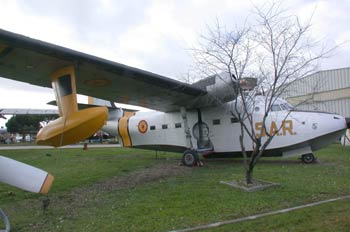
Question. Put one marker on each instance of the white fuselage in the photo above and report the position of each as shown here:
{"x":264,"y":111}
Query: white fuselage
{"x":300,"y":132}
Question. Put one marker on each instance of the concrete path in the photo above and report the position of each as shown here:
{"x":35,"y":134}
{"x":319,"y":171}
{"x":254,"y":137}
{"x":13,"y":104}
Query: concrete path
{"x":253,"y":217}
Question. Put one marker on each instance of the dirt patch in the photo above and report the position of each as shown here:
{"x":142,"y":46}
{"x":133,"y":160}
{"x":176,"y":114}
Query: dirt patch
{"x":140,"y":177}
{"x":81,"y":196}
{"x":71,"y":202}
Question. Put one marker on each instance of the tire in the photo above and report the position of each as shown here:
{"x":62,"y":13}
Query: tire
{"x":308,"y":158}
{"x":190,"y":158}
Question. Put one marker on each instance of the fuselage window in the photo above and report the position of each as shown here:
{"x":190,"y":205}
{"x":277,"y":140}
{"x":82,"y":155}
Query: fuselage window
{"x":234,"y":120}
{"x":216,"y":122}
{"x":178,"y":125}
{"x":165,"y":126}
{"x":152,"y":127}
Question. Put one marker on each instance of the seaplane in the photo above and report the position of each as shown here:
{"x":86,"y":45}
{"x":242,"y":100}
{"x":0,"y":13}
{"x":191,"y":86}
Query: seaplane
{"x":185,"y":118}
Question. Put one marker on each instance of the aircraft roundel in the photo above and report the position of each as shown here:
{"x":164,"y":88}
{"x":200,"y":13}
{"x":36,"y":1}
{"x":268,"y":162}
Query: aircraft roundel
{"x":143,"y":126}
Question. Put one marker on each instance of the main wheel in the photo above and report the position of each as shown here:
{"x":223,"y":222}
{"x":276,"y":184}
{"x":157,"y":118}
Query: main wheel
{"x":308,"y":158}
{"x":190,"y":158}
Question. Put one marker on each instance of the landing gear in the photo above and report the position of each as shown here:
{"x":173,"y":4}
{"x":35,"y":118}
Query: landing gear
{"x":190,"y":158}
{"x":308,"y":158}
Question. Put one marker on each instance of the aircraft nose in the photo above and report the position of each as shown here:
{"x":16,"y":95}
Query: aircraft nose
{"x":328,"y":123}
{"x":328,"y":128}
{"x":339,"y":121}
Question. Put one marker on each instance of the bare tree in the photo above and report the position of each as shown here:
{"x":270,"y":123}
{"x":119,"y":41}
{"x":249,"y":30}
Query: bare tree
{"x":277,"y":51}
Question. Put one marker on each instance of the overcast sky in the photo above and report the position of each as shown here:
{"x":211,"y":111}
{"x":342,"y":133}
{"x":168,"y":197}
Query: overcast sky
{"x":149,"y":34}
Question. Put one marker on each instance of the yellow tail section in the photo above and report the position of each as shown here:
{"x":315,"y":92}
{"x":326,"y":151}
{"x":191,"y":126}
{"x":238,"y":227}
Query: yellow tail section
{"x":72,"y":126}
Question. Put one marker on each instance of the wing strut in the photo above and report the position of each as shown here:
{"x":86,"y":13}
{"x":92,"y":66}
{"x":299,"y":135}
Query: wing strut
{"x":186,"y":128}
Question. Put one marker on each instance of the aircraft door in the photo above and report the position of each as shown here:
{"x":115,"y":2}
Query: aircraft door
{"x":200,"y":132}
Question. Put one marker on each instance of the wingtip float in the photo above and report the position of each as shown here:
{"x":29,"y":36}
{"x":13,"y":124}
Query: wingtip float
{"x":72,"y":126}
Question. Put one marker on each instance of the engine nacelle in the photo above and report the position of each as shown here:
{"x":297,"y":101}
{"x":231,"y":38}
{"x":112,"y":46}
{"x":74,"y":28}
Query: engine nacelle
{"x":112,"y":124}
{"x":222,"y":88}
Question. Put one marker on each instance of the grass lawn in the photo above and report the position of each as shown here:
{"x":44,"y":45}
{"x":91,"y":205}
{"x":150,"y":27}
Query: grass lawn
{"x":116,"y":189}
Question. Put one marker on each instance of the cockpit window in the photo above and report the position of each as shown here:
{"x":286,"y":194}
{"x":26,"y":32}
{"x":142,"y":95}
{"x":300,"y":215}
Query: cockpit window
{"x":281,"y":106}
{"x":275,"y":107}
{"x":259,"y":104}
{"x":286,"y":106}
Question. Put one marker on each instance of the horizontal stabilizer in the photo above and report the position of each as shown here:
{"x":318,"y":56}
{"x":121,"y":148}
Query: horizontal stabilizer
{"x":82,"y":106}
{"x":15,"y":111}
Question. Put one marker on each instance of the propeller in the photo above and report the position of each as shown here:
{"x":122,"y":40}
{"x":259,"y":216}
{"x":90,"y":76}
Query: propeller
{"x":24,"y":176}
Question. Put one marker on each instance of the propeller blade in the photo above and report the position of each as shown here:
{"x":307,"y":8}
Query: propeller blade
{"x":24,"y":176}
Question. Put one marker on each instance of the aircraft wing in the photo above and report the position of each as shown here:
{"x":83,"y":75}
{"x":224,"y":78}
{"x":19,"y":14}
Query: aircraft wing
{"x":33,"y":61}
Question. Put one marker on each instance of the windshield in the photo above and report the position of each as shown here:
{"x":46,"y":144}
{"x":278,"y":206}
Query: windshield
{"x":280,"y":105}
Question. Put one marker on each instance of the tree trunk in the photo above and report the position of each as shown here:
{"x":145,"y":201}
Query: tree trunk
{"x":249,"y":175}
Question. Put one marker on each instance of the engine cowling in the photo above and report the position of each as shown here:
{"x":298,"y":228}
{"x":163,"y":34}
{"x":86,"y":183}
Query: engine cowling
{"x":225,"y":88}
{"x":222,"y":88}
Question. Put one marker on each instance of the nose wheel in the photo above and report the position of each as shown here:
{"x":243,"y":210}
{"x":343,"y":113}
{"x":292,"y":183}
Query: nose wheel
{"x":308,"y":158}
{"x":190,"y":158}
